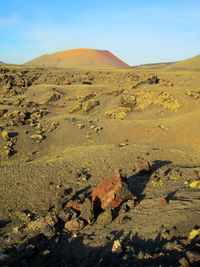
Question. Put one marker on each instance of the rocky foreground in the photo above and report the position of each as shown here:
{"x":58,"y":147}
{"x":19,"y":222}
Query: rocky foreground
{"x":80,"y":228}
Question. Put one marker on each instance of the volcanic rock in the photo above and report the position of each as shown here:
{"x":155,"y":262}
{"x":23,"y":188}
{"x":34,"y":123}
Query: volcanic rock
{"x":110,"y":193}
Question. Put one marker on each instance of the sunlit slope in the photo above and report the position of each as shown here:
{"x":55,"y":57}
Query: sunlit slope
{"x":188,"y":64}
{"x":83,"y":57}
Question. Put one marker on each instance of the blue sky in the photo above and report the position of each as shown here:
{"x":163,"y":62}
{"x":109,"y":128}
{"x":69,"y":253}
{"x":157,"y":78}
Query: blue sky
{"x":138,"y":31}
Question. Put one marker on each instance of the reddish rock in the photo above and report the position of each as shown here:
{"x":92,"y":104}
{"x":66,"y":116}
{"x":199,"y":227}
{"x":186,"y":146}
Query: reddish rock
{"x":110,"y":193}
{"x":73,"y":204}
{"x":163,"y":202}
{"x":51,"y":220}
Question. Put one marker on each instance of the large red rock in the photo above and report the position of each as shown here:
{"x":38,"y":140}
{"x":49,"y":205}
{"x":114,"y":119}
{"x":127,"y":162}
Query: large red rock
{"x":110,"y":193}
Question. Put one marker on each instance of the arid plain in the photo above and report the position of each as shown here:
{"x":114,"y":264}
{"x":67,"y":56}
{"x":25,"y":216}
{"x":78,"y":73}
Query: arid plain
{"x":65,"y":128}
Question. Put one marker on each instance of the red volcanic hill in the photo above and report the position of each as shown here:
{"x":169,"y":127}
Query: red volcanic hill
{"x":78,"y":58}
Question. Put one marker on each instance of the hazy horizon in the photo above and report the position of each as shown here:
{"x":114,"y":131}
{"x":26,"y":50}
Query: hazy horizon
{"x":138,"y":32}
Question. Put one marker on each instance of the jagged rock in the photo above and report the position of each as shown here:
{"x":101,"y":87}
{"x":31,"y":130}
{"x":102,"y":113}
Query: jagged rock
{"x":86,"y":97}
{"x":3,"y":111}
{"x":47,"y":230}
{"x":87,"y":82}
{"x":142,"y":165}
{"x":110,"y":193}
{"x":117,"y":248}
{"x":53,"y":97}
{"x":90,"y":105}
{"x":194,"y":257}
{"x":80,"y":125}
{"x":74,"y":225}
{"x":51,"y":220}
{"x":76,"y":108}
{"x":105,"y":217}
{"x":6,"y":135}
{"x":37,"y":137}
{"x":86,"y":211}
{"x":73,"y":204}
{"x":183,"y":262}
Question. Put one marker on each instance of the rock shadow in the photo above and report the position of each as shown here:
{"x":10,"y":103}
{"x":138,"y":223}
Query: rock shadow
{"x":138,"y":182}
{"x":65,"y":250}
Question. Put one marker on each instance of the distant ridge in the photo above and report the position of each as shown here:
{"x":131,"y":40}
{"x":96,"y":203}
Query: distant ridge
{"x":153,"y":65}
{"x":188,"y":64}
{"x":79,"y":58}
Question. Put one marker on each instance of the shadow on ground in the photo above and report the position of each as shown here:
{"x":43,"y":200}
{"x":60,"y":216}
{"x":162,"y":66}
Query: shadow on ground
{"x":138,"y":182}
{"x":62,"y":250}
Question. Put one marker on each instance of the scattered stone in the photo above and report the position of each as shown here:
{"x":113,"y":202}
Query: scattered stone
{"x":86,"y":97}
{"x":130,"y":204}
{"x":9,"y":147}
{"x":3,"y":257}
{"x":173,"y":245}
{"x":66,"y":215}
{"x":140,"y":100}
{"x":119,"y":113}
{"x":51,"y":220}
{"x":37,"y":137}
{"x":98,"y":129}
{"x":91,"y":104}
{"x":128,"y":101}
{"x":153,"y":79}
{"x":193,"y":257}
{"x":86,"y":211}
{"x":3,"y":111}
{"x":183,"y":262}
{"x":6,"y":135}
{"x":105,"y":217}
{"x":117,"y":248}
{"x":46,"y":252}
{"x":73,"y":204}
{"x":80,"y":125}
{"x":47,"y":230}
{"x":76,"y":108}
{"x":165,"y":234}
{"x":194,"y":233}
{"x":195,"y":184}
{"x":36,"y":225}
{"x":163,"y":127}
{"x":163,"y":202}
{"x":141,"y":166}
{"x":141,"y":255}
{"x":83,"y":174}
{"x":87,"y":82}
{"x":110,"y":193}
{"x":55,"y":96}
{"x":193,"y":93}
{"x":173,"y":174}
{"x":124,"y":144}
{"x":74,"y":225}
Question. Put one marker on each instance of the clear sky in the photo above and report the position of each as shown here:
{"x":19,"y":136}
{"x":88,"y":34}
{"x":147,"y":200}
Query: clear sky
{"x":138,"y":31}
